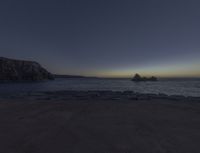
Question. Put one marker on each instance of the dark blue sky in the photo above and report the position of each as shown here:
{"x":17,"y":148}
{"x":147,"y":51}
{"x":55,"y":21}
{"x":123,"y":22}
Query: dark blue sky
{"x":104,"y":37}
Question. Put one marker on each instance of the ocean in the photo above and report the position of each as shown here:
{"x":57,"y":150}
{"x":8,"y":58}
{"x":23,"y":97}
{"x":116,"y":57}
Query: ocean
{"x":185,"y":87}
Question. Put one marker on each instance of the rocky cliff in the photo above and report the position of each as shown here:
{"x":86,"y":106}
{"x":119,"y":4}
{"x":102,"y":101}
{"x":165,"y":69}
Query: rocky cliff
{"x":15,"y":70}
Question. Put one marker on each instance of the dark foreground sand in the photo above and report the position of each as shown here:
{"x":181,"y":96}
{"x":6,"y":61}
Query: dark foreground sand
{"x":56,"y":123}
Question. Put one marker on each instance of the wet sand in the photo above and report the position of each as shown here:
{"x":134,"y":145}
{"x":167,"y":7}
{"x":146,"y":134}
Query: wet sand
{"x":80,"y":122}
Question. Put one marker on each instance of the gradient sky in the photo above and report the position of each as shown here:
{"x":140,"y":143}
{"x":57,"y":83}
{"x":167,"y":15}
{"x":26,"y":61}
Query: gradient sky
{"x":104,"y":37}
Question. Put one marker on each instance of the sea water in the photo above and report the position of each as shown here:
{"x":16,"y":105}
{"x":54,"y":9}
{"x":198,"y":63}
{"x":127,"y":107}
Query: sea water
{"x":185,"y":87}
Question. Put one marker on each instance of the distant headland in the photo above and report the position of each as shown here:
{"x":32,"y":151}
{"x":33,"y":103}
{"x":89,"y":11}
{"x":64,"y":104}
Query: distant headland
{"x":72,"y":76}
{"x":20,"y":70}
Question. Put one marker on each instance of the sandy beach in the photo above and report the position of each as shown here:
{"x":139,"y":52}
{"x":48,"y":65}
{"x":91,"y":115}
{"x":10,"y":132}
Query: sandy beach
{"x":99,"y":122}
{"x":100,"y":76}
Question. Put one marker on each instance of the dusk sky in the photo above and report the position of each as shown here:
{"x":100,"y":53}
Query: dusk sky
{"x":112,"y":38}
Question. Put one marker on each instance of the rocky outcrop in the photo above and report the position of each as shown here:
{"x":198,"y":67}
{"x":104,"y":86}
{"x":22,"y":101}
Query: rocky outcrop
{"x":138,"y":78}
{"x":18,"y":70}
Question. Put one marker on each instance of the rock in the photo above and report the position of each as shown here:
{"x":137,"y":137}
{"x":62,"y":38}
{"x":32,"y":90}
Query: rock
{"x":18,"y":70}
{"x":138,"y":78}
{"x":152,"y":79}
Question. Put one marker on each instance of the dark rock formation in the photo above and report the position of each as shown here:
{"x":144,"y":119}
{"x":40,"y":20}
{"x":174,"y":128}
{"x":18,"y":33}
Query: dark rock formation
{"x":18,"y":70}
{"x":138,"y":78}
{"x":73,"y":76}
{"x":153,"y":79}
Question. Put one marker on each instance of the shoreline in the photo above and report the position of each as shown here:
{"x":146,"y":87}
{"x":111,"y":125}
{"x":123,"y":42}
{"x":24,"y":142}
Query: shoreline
{"x":97,"y":95}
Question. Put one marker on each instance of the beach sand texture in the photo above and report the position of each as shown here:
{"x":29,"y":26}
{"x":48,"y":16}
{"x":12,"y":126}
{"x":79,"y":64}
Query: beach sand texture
{"x":99,"y":126}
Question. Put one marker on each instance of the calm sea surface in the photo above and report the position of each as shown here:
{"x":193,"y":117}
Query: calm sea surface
{"x":186,"y":87}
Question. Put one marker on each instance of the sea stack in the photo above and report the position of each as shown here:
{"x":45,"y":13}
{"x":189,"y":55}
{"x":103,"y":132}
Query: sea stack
{"x":20,"y":70}
{"x":138,"y":78}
